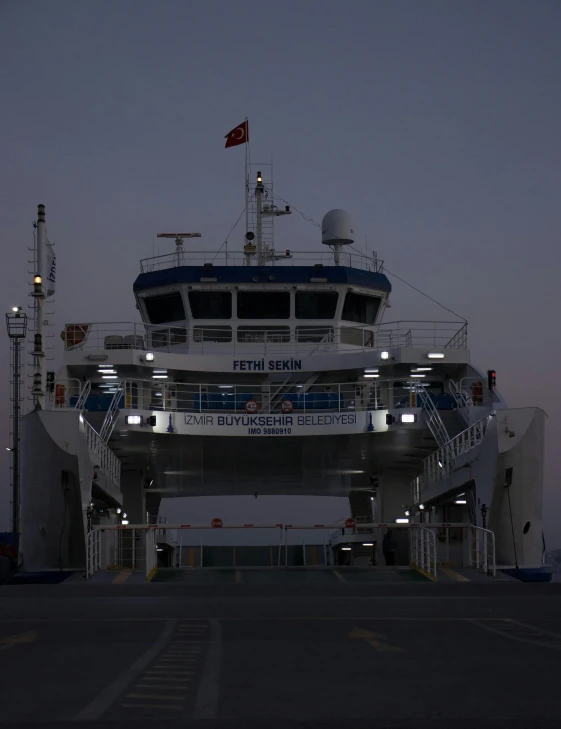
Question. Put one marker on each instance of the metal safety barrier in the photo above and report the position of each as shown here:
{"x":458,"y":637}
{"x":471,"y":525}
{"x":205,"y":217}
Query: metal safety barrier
{"x":423,"y":551}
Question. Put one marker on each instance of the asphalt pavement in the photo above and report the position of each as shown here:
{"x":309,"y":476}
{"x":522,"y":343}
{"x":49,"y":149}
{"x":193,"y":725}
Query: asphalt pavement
{"x":285,"y":653}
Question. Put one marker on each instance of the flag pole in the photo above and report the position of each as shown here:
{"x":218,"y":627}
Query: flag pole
{"x":246,"y":177}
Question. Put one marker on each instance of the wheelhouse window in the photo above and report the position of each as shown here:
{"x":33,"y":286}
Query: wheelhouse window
{"x":360,"y":308}
{"x":263,"y":305}
{"x":316,"y":304}
{"x":211,"y":304}
{"x":164,"y":308}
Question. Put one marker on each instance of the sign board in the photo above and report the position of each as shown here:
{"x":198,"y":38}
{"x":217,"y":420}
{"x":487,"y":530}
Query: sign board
{"x":296,"y":423}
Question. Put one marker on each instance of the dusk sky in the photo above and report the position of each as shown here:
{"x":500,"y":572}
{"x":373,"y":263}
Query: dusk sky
{"x":436,"y":123}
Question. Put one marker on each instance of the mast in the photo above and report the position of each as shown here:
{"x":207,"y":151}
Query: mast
{"x":39,"y":296}
{"x":259,"y":189}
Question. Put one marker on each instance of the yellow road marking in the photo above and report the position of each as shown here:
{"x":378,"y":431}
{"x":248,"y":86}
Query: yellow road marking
{"x":123,"y":576}
{"x":375,"y":640}
{"x":449,"y":572}
{"x":339,"y":576}
{"x":238,"y":576}
{"x":13,"y":640}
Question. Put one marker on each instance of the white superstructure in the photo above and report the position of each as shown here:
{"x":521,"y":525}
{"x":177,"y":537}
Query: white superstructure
{"x":273,"y":372}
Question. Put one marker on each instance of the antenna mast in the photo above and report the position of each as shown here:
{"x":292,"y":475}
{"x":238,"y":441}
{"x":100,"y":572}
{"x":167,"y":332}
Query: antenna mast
{"x":179,"y":250}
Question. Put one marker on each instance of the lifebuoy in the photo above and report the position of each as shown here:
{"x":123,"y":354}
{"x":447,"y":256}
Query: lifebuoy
{"x":74,"y":335}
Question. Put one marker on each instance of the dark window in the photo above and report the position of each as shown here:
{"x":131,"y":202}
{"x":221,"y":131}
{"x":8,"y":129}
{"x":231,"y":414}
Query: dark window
{"x":361,"y":308}
{"x":211,"y":304}
{"x":164,"y":308}
{"x":316,"y":304}
{"x":263,"y":305}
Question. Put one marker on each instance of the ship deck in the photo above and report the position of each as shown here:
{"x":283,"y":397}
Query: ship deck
{"x":322,"y":654}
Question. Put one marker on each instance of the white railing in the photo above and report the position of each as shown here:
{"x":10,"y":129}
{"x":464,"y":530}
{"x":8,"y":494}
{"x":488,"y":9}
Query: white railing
{"x":83,"y":396}
{"x":223,"y":257}
{"x":300,"y":396}
{"x":462,"y":401}
{"x":112,"y":413}
{"x":103,"y":456}
{"x":294,"y":338}
{"x":64,"y":393}
{"x":482,"y":550}
{"x":459,"y":340}
{"x":432,"y":416}
{"x":93,"y":557}
{"x":423,"y":551}
{"x":441,"y":463}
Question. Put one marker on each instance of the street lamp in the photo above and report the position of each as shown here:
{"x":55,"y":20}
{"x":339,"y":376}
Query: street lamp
{"x":16,"y":323}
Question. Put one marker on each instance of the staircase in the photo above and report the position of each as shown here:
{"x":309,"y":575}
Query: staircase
{"x":361,"y":506}
{"x":112,"y":414}
{"x":432,"y":415}
{"x":453,"y":422}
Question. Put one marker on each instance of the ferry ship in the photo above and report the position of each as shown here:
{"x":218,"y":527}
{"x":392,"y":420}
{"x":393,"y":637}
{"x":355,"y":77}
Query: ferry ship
{"x":266,"y":371}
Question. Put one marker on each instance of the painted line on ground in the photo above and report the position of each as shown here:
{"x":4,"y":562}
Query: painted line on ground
{"x":111,"y":693}
{"x":521,"y":632}
{"x":122,"y":577}
{"x":339,"y":576}
{"x":449,"y":572}
{"x":206,"y":703}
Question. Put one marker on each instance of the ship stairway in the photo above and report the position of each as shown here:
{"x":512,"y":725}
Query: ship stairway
{"x":81,"y":401}
{"x":432,"y":416}
{"x":112,"y":414}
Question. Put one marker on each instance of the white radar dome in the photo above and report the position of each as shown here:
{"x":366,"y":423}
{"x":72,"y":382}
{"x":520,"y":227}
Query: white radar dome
{"x":337,"y":228}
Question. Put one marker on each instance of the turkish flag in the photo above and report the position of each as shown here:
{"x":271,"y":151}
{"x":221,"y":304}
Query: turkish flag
{"x":239,"y":135}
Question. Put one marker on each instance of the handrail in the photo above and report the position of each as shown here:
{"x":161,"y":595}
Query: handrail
{"x":112,"y":413}
{"x":103,"y":456}
{"x":434,"y":421}
{"x":297,"y":336}
{"x":222,"y":257}
{"x":423,"y":551}
{"x":460,"y":399}
{"x":482,"y":550}
{"x":440,"y":464}
{"x":81,"y":401}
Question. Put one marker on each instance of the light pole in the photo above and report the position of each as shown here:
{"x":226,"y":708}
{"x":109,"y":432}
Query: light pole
{"x":16,"y":322}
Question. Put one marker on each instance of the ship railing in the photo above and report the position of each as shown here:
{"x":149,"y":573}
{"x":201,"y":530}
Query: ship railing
{"x":222,"y":257}
{"x":164,"y":394}
{"x":290,"y":339}
{"x":103,"y":456}
{"x":442,"y":462}
{"x":63,"y":393}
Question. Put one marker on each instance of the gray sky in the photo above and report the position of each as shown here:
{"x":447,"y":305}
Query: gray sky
{"x":435,"y":123}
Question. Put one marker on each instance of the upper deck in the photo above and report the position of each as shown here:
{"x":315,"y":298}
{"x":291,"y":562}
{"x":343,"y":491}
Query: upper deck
{"x":278,"y":259}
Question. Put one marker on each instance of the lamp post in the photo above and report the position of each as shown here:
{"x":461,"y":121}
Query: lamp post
{"x":16,"y":322}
